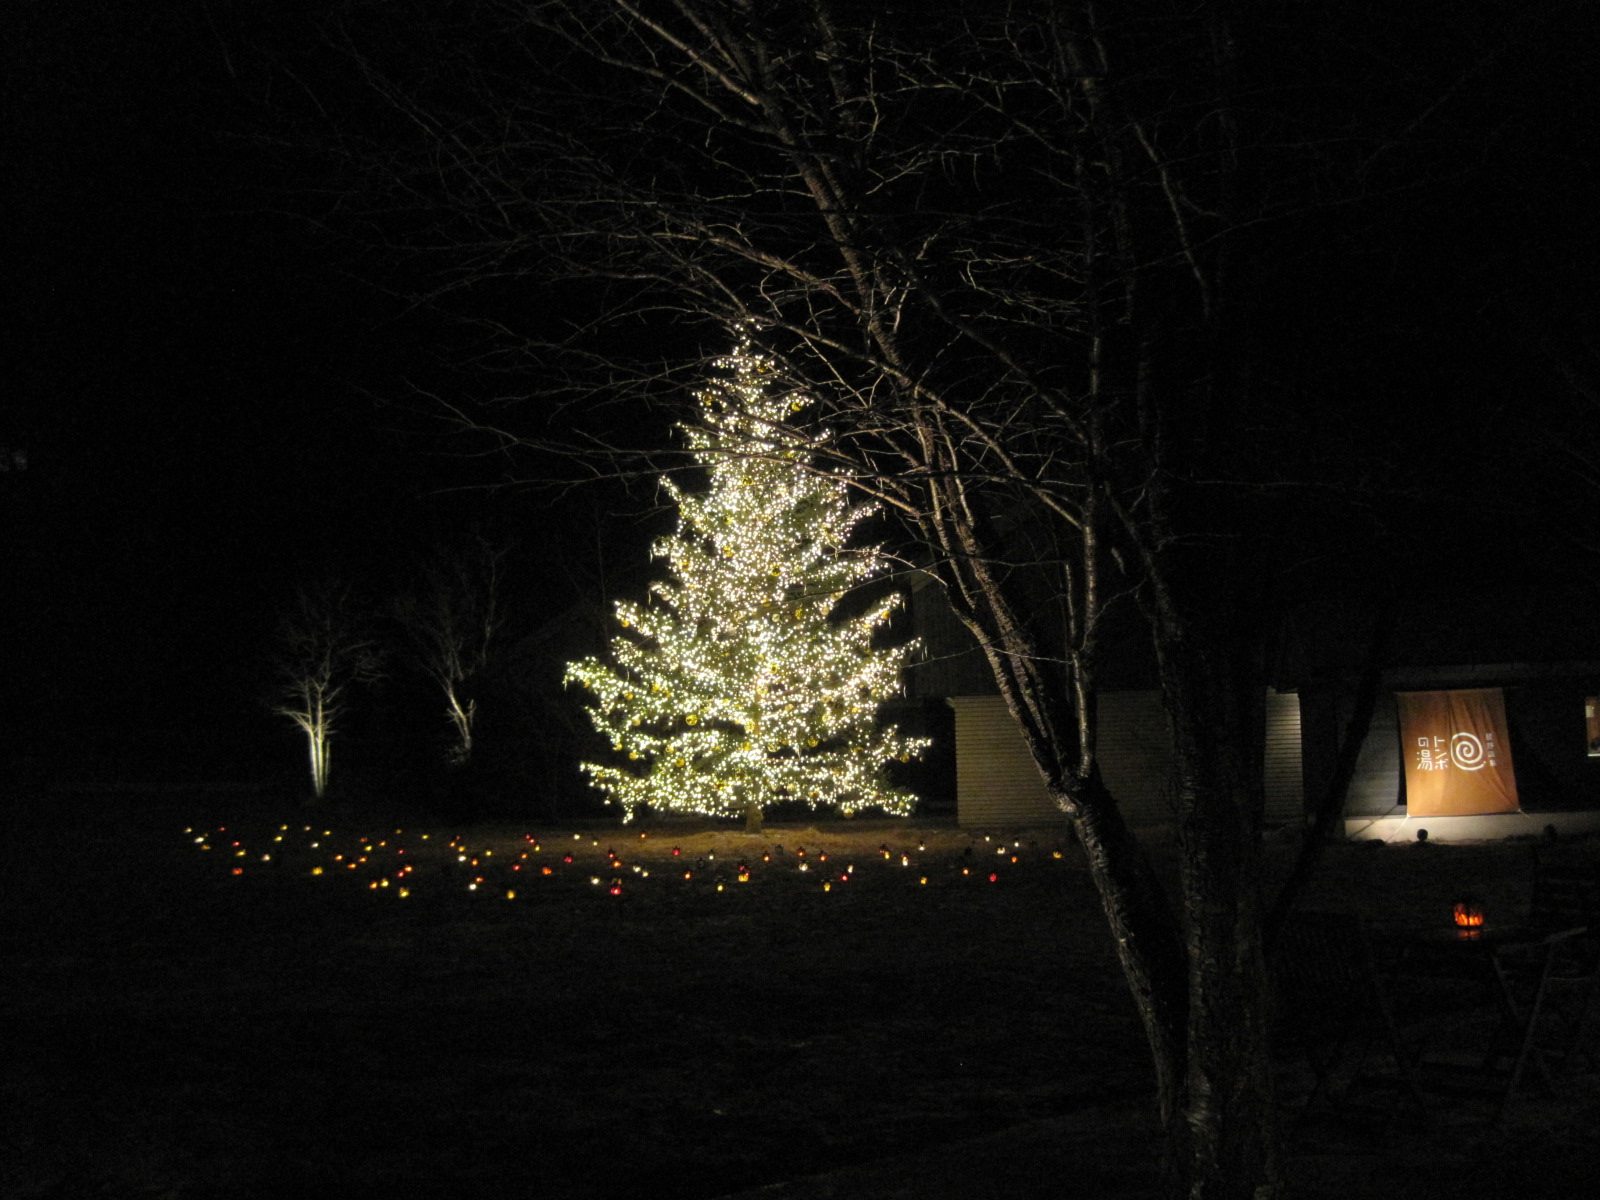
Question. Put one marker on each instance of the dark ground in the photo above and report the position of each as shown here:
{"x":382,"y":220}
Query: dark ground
{"x":180,"y":1031}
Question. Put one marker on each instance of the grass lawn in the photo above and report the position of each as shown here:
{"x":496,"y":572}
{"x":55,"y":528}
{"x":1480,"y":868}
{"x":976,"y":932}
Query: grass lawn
{"x":190,"y":1018}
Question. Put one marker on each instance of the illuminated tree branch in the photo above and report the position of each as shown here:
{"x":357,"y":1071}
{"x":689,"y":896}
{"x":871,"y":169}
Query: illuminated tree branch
{"x":451,"y":619}
{"x":323,"y":648}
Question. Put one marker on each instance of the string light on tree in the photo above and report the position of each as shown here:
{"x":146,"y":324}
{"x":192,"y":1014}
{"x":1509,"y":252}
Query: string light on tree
{"x":740,"y":684}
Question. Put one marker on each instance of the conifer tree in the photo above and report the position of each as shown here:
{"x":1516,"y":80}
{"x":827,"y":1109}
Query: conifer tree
{"x":740,"y":684}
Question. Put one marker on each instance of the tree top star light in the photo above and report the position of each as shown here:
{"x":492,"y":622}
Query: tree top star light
{"x":740,"y":684}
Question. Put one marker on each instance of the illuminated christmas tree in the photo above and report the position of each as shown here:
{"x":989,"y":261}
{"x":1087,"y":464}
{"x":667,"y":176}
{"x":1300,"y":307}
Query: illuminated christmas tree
{"x":739,"y":684}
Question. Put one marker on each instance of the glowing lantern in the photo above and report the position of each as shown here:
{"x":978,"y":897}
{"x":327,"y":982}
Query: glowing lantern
{"x":1468,"y":913}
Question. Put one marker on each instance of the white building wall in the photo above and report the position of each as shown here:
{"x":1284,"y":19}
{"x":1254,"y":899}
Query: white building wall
{"x":998,"y":785}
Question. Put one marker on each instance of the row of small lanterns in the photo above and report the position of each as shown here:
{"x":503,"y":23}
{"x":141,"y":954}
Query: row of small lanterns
{"x":458,"y":856}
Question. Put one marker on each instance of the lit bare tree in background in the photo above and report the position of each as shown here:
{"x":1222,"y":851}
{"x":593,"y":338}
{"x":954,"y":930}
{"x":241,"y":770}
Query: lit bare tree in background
{"x":451,"y":618}
{"x":323,"y":648}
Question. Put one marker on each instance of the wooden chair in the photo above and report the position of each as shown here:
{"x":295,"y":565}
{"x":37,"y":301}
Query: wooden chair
{"x":1565,"y":892}
{"x":1333,"y":1012}
{"x":1549,"y":981}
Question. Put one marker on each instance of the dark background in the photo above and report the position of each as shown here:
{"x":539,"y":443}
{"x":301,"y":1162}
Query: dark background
{"x":216,"y":399}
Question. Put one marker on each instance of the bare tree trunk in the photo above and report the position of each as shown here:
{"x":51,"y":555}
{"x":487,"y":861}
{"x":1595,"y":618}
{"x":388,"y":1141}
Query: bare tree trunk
{"x":1223,"y":1139}
{"x":320,"y":747}
{"x":1143,"y":930}
{"x":1330,"y":804}
{"x":461,"y":717}
{"x":1224,"y":1135}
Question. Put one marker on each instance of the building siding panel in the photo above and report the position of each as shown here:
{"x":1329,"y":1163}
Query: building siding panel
{"x":1375,"y":786}
{"x":1283,"y":778}
{"x":997,"y":783}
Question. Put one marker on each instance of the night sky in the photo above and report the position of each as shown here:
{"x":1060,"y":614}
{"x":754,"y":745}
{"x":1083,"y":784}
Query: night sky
{"x":210,"y":405}
{"x":213,"y":402}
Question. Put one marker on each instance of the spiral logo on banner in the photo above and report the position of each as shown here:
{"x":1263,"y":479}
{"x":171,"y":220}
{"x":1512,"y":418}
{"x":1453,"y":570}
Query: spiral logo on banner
{"x":1467,"y":751}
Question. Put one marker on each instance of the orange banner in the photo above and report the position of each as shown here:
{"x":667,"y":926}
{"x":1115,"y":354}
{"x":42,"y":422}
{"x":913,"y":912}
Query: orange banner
{"x":1457,"y":753}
